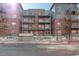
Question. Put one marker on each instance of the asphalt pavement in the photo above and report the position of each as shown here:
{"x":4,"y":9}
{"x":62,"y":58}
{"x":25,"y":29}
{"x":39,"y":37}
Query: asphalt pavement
{"x":37,"y":50}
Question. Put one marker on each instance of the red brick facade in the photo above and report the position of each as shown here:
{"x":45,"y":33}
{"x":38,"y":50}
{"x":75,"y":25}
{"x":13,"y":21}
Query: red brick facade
{"x":57,"y":27}
{"x":41,"y":24}
{"x":11,"y":20}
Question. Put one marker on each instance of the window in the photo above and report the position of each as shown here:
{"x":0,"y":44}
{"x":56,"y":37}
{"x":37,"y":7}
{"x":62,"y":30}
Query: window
{"x":11,"y":16}
{"x":47,"y":32}
{"x":26,"y":20}
{"x":58,"y":10}
{"x":25,"y":26}
{"x":40,"y":13}
{"x":36,"y":32}
{"x":41,"y":26}
{"x":59,"y":31}
{"x":78,"y":17}
{"x":47,"y":20}
{"x":73,"y":37}
{"x":78,"y":5}
{"x":73,"y":12}
{"x":73,"y":17}
{"x":74,"y":25}
{"x":14,"y":16}
{"x":30,"y":20}
{"x":31,"y":13}
{"x":73,"y":31}
{"x":31,"y":32}
{"x":47,"y":26}
{"x":57,"y":16}
{"x":40,"y":20}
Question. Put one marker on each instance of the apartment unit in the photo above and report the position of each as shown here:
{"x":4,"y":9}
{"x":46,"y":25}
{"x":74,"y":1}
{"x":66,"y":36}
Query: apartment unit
{"x":59,"y":16}
{"x":73,"y":20}
{"x":36,"y":22}
{"x":10,"y":18}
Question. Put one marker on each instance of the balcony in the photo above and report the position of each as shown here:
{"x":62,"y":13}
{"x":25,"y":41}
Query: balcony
{"x":2,"y":26}
{"x":74,"y":17}
{"x":42,"y":16}
{"x":28,"y":21}
{"x":47,"y":27}
{"x":41,"y":21}
{"x":35,"y":29}
{"x":25,"y":26}
{"x":26,"y":14}
{"x":41,"y":28}
{"x":75,"y":25}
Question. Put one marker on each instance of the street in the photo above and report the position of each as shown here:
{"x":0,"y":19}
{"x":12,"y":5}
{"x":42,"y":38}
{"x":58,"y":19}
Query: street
{"x":34,"y":50}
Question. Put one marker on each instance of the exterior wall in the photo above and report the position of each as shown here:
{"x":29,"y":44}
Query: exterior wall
{"x":57,"y":28}
{"x":58,"y":16}
{"x":61,"y":8}
{"x":12,"y":18}
{"x":36,"y":11}
{"x":41,"y":22}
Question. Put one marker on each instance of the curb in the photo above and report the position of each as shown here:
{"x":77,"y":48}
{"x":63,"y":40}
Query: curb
{"x":53,"y":43}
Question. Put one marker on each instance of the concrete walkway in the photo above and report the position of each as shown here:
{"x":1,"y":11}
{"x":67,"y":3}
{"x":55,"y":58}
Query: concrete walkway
{"x":42,"y":42}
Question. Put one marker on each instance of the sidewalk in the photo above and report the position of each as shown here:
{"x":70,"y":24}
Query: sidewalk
{"x":15,"y":40}
{"x":42,"y":42}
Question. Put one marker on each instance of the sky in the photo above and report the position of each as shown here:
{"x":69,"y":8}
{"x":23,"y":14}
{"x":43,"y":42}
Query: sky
{"x":45,"y":6}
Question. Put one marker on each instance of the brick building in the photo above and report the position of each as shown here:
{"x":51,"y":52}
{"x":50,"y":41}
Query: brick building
{"x":58,"y":20}
{"x":36,"y":21}
{"x":10,"y":18}
{"x":72,"y":22}
{"x":65,"y":20}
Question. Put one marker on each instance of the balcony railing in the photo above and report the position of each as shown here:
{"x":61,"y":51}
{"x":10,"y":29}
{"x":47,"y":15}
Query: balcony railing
{"x":28,"y":21}
{"x":75,"y":25}
{"x":74,"y":17}
{"x":44,"y":21}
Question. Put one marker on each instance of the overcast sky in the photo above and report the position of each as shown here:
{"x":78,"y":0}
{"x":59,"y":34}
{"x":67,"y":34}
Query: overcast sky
{"x":46,"y":6}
